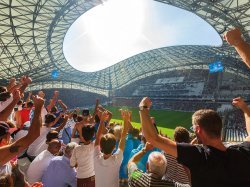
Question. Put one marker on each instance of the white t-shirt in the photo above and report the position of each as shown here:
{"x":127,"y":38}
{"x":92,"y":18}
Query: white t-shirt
{"x":39,"y":144}
{"x":38,"y":166}
{"x":83,"y":155}
{"x":107,"y":171}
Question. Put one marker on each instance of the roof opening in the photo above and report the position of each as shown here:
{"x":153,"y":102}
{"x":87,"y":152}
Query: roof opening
{"x":119,"y":29}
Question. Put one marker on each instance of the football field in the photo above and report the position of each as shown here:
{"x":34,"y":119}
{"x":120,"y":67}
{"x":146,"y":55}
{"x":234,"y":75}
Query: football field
{"x":166,"y":120}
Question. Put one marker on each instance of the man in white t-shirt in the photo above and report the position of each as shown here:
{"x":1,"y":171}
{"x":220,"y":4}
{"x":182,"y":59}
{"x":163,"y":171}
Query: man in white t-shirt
{"x":41,"y":162}
{"x":106,"y":164}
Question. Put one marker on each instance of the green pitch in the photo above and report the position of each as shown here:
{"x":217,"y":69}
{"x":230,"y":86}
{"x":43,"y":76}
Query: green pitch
{"x":166,"y":120}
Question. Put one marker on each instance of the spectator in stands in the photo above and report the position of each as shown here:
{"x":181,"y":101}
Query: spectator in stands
{"x":39,"y":165}
{"x":156,"y":168}
{"x":211,"y":164}
{"x":233,"y":37}
{"x":82,"y":158}
{"x":175,"y":171}
{"x":106,"y":164}
{"x":25,"y":113}
{"x":39,"y":144}
{"x":59,"y":172}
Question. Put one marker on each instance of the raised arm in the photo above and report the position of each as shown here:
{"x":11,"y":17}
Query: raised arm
{"x":10,"y":151}
{"x":56,"y":120}
{"x":53,"y":101}
{"x":62,"y":104}
{"x":239,"y":102}
{"x":233,"y":37}
{"x":66,"y":117}
{"x":25,"y":81}
{"x":126,"y":117}
{"x":137,"y":157}
{"x":101,"y":128}
{"x":150,"y":132}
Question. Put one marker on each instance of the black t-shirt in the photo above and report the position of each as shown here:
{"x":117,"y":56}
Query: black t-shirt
{"x":212,"y":167}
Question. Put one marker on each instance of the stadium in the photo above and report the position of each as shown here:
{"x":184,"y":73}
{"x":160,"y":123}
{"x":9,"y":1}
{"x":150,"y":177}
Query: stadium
{"x":177,"y":78}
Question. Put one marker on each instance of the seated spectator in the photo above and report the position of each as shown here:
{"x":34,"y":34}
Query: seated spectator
{"x":156,"y":168}
{"x":41,"y":162}
{"x":212,"y":164}
{"x":59,"y":172}
{"x":175,"y":171}
{"x":106,"y":164}
{"x":83,"y":158}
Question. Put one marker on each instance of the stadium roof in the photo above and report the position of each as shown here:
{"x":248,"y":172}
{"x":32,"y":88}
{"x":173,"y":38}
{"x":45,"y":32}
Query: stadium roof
{"x":32,"y":33}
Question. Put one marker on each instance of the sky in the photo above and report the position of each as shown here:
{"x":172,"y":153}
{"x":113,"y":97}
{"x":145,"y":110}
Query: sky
{"x":119,"y":29}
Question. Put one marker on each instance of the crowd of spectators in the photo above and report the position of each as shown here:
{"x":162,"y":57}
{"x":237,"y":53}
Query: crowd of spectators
{"x":48,"y":145}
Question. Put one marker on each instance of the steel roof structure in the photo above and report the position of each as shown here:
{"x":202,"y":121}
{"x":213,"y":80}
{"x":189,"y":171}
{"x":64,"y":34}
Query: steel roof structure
{"x":32,"y":33}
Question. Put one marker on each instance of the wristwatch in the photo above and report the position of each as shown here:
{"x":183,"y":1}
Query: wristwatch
{"x":142,"y":108}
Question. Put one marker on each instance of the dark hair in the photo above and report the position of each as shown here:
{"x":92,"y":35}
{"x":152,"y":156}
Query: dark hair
{"x":20,"y":102}
{"x":30,"y":104}
{"x":88,"y":132}
{"x":74,"y":117}
{"x":107,"y":143}
{"x":6,"y":180}
{"x":51,"y":135}
{"x":208,"y":120}
{"x":4,"y":96}
{"x":49,"y":118}
{"x":97,"y":119}
{"x":135,"y":132}
{"x":3,"y":89}
{"x":79,"y":118}
{"x":181,"y":135}
{"x":85,"y":112}
{"x":53,"y":109}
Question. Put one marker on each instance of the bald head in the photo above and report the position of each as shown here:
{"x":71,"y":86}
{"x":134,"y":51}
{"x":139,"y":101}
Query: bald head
{"x":54,"y":146}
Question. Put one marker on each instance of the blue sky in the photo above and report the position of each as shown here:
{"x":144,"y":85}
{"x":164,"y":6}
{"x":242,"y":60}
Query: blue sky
{"x":119,"y":29}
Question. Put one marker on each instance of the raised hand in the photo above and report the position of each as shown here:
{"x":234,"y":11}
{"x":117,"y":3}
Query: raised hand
{"x":38,"y":101}
{"x":148,"y":146}
{"x":233,"y":37}
{"x":16,"y":94}
{"x":239,"y":102}
{"x":146,"y":102}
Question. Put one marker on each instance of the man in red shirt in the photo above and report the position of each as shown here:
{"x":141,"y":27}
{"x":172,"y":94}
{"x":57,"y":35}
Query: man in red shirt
{"x":25,"y":113}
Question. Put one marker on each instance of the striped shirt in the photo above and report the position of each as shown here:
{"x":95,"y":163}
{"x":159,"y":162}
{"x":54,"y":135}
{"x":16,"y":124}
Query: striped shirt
{"x":175,"y":171}
{"x":138,"y":178}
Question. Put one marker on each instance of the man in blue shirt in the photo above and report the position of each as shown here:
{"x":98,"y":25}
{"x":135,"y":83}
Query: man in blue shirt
{"x":59,"y":173}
